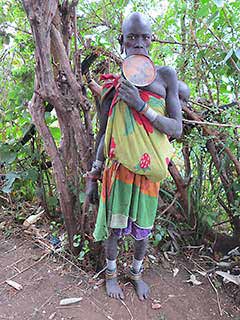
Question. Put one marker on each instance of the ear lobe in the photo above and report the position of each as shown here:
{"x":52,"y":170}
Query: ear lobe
{"x":120,"y":40}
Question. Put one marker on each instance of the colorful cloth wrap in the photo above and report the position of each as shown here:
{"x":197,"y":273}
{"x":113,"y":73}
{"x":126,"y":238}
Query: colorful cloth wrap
{"x":137,"y":158}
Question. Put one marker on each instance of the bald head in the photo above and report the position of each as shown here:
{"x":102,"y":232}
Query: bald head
{"x":137,"y":20}
{"x":136,"y":37}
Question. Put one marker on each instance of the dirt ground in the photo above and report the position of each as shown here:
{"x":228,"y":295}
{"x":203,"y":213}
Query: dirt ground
{"x":47,"y":279}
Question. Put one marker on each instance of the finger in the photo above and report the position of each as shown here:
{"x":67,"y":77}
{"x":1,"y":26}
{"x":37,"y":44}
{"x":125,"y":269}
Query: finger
{"x":123,"y":97}
{"x":125,"y":91}
{"x":122,"y":94}
{"x":124,"y":86}
{"x":127,"y":83}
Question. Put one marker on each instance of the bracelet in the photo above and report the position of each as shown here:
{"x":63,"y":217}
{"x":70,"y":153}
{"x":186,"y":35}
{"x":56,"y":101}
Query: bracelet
{"x":145,"y":109}
{"x":97,"y":165}
{"x":151,"y":114}
{"x":142,"y":108}
{"x":91,"y":176}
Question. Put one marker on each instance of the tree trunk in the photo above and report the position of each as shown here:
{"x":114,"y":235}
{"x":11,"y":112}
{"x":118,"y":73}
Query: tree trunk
{"x":61,"y":89}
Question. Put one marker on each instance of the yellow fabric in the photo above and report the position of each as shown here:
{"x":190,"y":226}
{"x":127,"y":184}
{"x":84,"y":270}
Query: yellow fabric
{"x":132,"y":140}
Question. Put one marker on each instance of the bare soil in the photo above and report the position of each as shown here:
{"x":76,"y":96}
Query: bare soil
{"x":46,"y":279}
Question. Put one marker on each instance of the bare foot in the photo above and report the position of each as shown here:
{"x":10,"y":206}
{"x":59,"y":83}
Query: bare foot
{"x":113,"y":289}
{"x":142,"y":289}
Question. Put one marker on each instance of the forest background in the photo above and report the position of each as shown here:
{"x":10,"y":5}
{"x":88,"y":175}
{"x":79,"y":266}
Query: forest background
{"x":48,"y":51}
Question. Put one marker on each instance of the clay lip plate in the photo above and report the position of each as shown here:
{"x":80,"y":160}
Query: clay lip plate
{"x":139,"y":70}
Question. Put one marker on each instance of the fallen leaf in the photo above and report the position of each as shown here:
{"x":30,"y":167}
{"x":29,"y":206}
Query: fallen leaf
{"x":14,"y":284}
{"x":223,"y":264}
{"x":52,"y":315}
{"x":32,"y":219}
{"x":150,"y":256}
{"x":66,"y":302}
{"x":2,"y":225}
{"x":166,"y":256}
{"x":194,"y":280}
{"x":156,"y":306}
{"x":175,"y":272}
{"x":229,"y":277}
{"x":235,"y":251}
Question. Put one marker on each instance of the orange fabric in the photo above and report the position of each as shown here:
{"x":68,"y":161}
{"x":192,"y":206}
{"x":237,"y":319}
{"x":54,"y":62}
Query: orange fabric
{"x":119,"y":172}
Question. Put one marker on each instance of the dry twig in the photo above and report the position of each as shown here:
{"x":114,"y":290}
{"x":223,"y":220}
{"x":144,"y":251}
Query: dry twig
{"x":29,"y":267}
{"x":131,"y":316}
{"x":218,"y":299}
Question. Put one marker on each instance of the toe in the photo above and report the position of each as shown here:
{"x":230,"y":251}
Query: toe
{"x":121,"y":295}
{"x":141,"y":297}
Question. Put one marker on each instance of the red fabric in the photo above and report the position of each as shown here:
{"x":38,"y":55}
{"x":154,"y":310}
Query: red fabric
{"x":111,"y":80}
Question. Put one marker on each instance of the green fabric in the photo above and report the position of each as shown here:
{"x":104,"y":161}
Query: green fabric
{"x":121,"y":200}
{"x":132,"y":140}
{"x":137,"y":159}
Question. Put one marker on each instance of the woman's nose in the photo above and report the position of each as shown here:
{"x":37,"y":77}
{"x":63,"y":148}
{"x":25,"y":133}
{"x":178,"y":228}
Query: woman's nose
{"x":139,"y":43}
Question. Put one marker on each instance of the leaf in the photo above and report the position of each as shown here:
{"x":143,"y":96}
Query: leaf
{"x":52,"y":201}
{"x":67,"y":301}
{"x":52,"y":316}
{"x":175,"y":272}
{"x":212,"y":17}
{"x":32,"y":219}
{"x":31,"y":174}
{"x":228,"y":56}
{"x":194,"y":280}
{"x":219,"y":3}
{"x":203,"y":12}
{"x":156,"y":306}
{"x":7,"y":155}
{"x":153,"y":258}
{"x":9,"y":180}
{"x":227,"y":277}
{"x":237,"y":53}
{"x":56,"y":133}
{"x":14,"y":284}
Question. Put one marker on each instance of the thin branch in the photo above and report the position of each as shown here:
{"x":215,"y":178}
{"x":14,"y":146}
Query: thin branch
{"x":190,"y":44}
{"x":194,"y":116}
{"x":171,"y":204}
{"x":212,"y":123}
{"x":129,"y":311}
{"x":27,"y":268}
{"x":218,"y":300}
{"x":235,"y":66}
{"x":18,"y":29}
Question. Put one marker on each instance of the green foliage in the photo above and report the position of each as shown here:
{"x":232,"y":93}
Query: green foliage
{"x":54,"y":228}
{"x":77,"y":242}
{"x":200,"y":39}
{"x":159,"y":234}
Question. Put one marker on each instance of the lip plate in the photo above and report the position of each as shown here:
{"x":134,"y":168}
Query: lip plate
{"x":139,"y":70}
